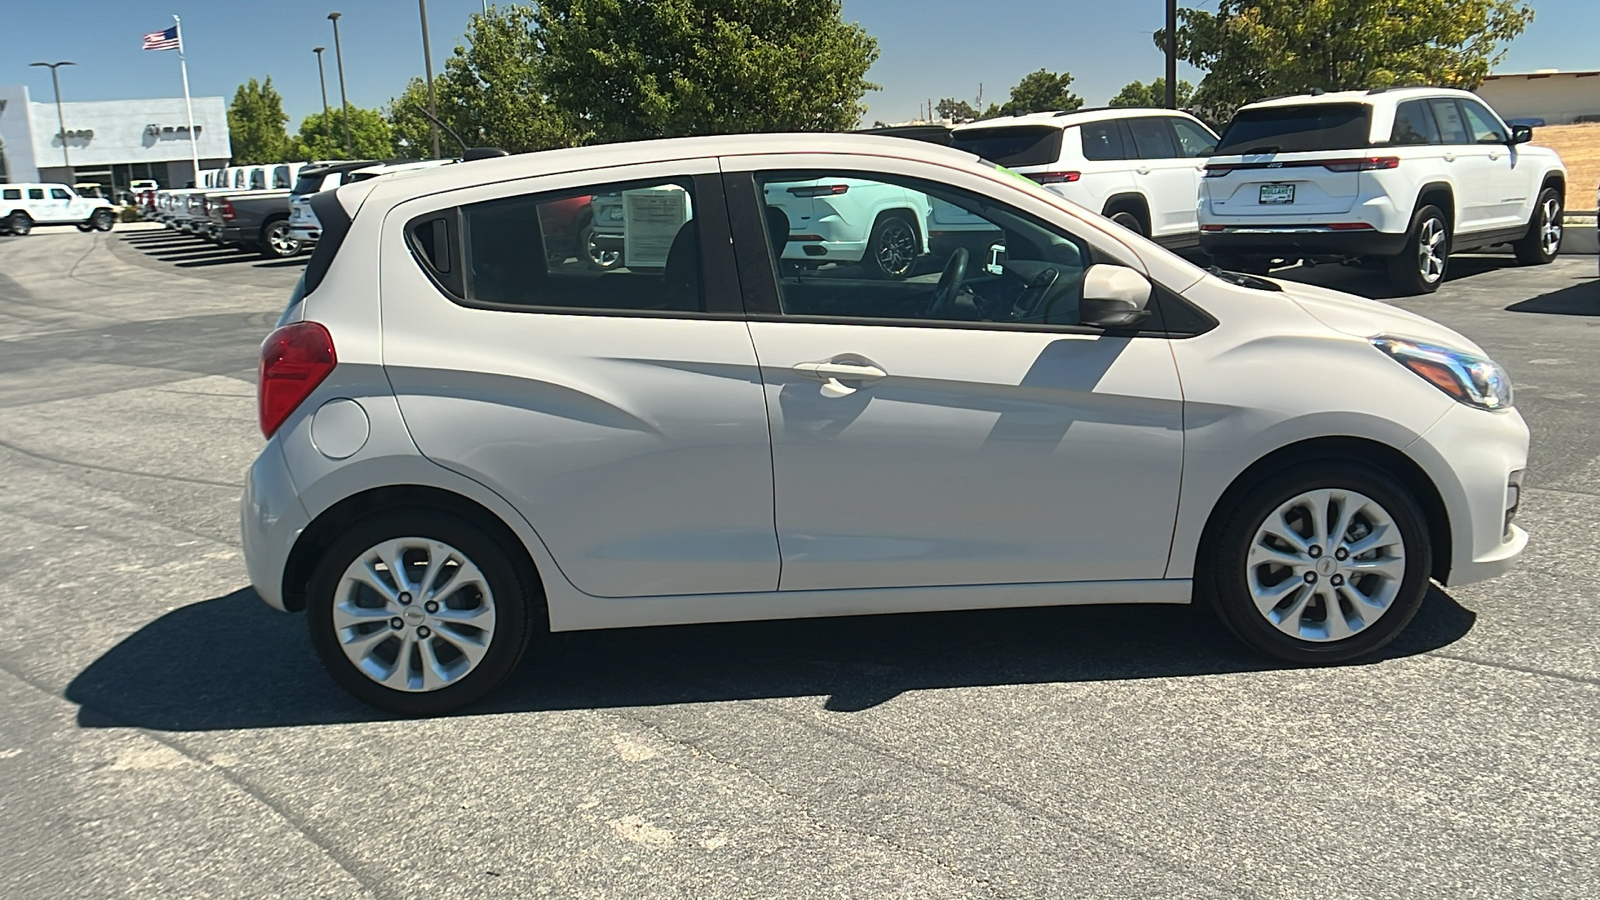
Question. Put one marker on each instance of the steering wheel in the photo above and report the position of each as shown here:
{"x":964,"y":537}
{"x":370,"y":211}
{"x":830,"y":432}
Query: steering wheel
{"x":949,"y":286}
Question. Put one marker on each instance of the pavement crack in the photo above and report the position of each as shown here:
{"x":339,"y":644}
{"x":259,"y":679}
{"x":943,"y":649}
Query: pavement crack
{"x":1511,"y":667}
{"x":78,"y":464}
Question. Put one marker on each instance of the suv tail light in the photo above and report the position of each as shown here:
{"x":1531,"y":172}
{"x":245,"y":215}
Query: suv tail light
{"x":1368,"y":164}
{"x":1055,"y":177}
{"x":294,"y":360}
{"x":819,"y":190}
{"x":227,"y":211}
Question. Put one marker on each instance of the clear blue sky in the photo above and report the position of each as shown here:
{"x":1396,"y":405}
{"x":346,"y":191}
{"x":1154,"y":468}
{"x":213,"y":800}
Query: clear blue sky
{"x":929,"y":48}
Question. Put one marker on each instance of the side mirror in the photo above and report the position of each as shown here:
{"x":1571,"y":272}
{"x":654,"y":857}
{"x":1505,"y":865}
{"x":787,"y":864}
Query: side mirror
{"x":1521,"y":134}
{"x":1114,"y":297}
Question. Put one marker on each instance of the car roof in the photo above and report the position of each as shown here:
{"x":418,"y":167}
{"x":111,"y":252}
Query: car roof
{"x":323,"y":168}
{"x":1374,"y":97}
{"x":1069,"y":118}
{"x":419,"y":182}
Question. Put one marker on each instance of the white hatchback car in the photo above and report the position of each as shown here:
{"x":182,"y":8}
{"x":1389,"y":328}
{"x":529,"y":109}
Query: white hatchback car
{"x":469,"y":445}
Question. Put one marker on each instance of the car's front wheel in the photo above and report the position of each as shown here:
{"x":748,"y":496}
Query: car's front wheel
{"x":1321,"y":563}
{"x":1543,"y":240}
{"x":1421,"y":266}
{"x":420,"y":612}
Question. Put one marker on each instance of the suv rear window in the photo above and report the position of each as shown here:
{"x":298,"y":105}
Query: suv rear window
{"x":1294,"y":129}
{"x":309,"y":182}
{"x":1012,"y":146}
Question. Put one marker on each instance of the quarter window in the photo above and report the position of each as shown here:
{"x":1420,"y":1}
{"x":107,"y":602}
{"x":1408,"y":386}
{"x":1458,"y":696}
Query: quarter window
{"x":1102,"y":140}
{"x":619,"y":248}
{"x":1452,"y":128}
{"x":1413,"y":125}
{"x":1151,"y":138}
{"x":1195,"y":141}
{"x":882,"y":249}
{"x":1485,"y":130}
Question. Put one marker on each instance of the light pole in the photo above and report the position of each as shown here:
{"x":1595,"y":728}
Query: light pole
{"x":1172,"y":54}
{"x":427,"y":66}
{"x":322,"y":76}
{"x":344,"y":101}
{"x":61,"y":119}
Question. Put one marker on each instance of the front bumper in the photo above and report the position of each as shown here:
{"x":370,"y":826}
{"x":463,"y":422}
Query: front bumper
{"x":1474,"y":458}
{"x":271,"y":518}
{"x":1287,"y":241}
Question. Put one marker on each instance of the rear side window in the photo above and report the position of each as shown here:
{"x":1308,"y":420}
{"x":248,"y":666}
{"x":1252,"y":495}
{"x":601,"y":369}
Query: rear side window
{"x":1102,"y":140}
{"x":539,"y":251}
{"x":1012,"y":146}
{"x":1296,"y":129}
{"x":1151,"y":139}
{"x":35,"y":193}
{"x":11,"y":194}
{"x":1413,"y":124}
{"x":1452,"y":128}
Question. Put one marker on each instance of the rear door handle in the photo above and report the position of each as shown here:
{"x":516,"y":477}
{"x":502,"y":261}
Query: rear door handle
{"x":1143,"y":170}
{"x":833,"y":376}
{"x":1449,"y":157}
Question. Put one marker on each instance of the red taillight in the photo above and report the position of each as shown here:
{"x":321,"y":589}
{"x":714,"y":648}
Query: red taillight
{"x":294,"y":360}
{"x":1367,"y":164}
{"x":1055,"y":177}
{"x":1210,"y":227}
{"x":1350,"y":226}
{"x":227,"y":211}
{"x":819,"y":190}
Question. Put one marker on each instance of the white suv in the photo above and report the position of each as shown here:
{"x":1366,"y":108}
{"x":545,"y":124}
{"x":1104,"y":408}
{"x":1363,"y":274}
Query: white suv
{"x":1138,"y":167}
{"x":473,"y":440}
{"x":1408,"y":175}
{"x":23,"y":206}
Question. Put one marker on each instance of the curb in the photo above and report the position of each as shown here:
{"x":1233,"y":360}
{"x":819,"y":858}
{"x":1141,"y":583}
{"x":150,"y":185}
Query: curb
{"x":1581,"y":238}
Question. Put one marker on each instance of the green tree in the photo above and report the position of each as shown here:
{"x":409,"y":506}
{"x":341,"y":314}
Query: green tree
{"x":955,"y":110}
{"x":256,"y":123}
{"x":323,"y":138}
{"x":1257,"y":48}
{"x":1039,"y":91}
{"x":629,"y":70}
{"x":1137,"y":93}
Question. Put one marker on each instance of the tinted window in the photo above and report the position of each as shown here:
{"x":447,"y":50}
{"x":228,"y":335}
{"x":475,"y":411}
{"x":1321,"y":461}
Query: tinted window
{"x":280,"y":177}
{"x":1294,"y":129}
{"x":1012,"y":146}
{"x":35,"y":193}
{"x":1102,"y":140}
{"x":1413,"y":124}
{"x":258,"y":179}
{"x":1452,"y":128}
{"x":525,"y":251}
{"x":1151,"y":139}
{"x":1195,"y":141}
{"x":309,"y":182}
{"x":831,"y":264}
{"x":238,"y":179}
{"x":1482,"y":124}
{"x":11,"y":194}
{"x":59,"y":194}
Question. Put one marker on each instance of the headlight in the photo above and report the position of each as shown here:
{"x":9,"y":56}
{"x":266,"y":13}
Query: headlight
{"x":1472,"y":379}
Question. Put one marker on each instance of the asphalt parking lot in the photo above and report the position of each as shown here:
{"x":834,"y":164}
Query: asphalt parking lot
{"x":166,"y":734}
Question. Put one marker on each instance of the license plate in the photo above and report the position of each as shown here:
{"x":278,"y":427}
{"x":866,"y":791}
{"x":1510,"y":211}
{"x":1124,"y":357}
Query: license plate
{"x":1277,"y":193}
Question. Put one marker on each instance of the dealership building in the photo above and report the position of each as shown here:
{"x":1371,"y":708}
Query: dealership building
{"x":112,"y":142}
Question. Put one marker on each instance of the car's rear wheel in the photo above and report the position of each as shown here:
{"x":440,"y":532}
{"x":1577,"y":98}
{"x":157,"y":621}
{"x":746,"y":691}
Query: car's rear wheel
{"x":1321,"y":563}
{"x":1420,"y":268}
{"x":102,"y":220}
{"x":420,"y":611}
{"x":85,"y":226}
{"x":892,"y":248}
{"x":19,"y":224}
{"x":1543,"y":240}
{"x":593,"y":255}
{"x":276,"y":242}
{"x":1129,"y":221}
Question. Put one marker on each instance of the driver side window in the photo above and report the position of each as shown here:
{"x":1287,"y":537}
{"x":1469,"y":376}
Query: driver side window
{"x":888,"y":250}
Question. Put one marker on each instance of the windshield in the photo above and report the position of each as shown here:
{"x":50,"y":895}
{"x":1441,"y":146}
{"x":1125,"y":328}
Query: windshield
{"x":1014,"y":145}
{"x":1294,"y":129}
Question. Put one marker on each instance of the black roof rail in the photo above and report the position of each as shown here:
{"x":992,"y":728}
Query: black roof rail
{"x":1316,"y":92}
{"x":472,"y":153}
{"x":1091,"y":109}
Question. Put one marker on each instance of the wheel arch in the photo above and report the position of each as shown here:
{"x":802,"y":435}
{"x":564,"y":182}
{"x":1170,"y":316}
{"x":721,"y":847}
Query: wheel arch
{"x":1557,"y":179}
{"x":1380,"y":456}
{"x":323,"y":530}
{"x":1440,"y":194}
{"x":1129,"y":202}
{"x":904,"y":212}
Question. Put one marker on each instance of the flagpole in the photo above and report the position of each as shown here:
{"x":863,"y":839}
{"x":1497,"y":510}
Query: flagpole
{"x":183,"y":66}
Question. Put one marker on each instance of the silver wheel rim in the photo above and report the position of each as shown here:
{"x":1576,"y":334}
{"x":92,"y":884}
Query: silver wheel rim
{"x":605,"y":259}
{"x":278,"y":237}
{"x":1431,"y":250}
{"x":896,"y":247}
{"x":1326,"y":565}
{"x":1550,"y":226}
{"x":414,"y":614}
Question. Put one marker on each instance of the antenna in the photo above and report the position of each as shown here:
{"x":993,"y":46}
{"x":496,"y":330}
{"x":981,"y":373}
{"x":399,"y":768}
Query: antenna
{"x":446,"y":128}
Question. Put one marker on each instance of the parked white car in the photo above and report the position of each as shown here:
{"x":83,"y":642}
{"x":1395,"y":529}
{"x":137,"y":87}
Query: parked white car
{"x":1407,"y":176}
{"x":470,"y":444}
{"x":1138,"y":167}
{"x":24,"y":205}
{"x":882,"y":227}
{"x":303,"y":224}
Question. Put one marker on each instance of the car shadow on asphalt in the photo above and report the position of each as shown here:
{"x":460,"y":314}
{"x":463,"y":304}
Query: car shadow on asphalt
{"x":1373,"y":282}
{"x":1581,"y":299}
{"x":233,"y":663}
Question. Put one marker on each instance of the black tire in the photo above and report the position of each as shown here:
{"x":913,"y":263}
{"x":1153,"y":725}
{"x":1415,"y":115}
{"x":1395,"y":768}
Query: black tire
{"x":102,"y":220}
{"x":275,"y":240}
{"x":1414,"y":270}
{"x":1224,"y":572}
{"x":1534,"y":249}
{"x":594,"y":257}
{"x":1130,"y":221}
{"x":85,"y":226}
{"x":517,"y":601}
{"x":19,"y":224}
{"x":893,"y":247}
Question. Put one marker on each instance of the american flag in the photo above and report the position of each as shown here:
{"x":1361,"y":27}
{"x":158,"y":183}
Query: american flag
{"x":162,"y":40}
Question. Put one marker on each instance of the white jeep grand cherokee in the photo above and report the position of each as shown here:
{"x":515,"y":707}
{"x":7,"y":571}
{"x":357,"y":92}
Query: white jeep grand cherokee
{"x":1409,"y":175}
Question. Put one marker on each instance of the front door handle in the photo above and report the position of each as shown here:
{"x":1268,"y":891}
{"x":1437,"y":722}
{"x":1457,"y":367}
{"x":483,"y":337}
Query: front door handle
{"x":1143,"y":170}
{"x":1494,"y":155}
{"x":1449,"y":157}
{"x":833,"y":376}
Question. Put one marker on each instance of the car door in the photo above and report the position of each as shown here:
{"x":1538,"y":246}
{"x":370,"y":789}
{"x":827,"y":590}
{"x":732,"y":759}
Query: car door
{"x":58,"y":207}
{"x":963,"y":438}
{"x":1513,"y":186}
{"x":1468,"y":164}
{"x":621,"y":410}
{"x":1169,"y":181}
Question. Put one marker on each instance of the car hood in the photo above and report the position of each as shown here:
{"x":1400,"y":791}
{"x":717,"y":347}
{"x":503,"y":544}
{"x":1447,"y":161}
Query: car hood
{"x":1360,"y":317}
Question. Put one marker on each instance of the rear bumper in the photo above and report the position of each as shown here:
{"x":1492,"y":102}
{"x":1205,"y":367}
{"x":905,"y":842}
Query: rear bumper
{"x":271,"y":518}
{"x":1300,"y":240}
{"x":235,"y":233}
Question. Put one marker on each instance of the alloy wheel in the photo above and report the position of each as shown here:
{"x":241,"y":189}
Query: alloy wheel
{"x":1550,"y":226}
{"x":897,"y":247}
{"x":1432,"y":248}
{"x":1326,"y":565}
{"x":278,"y":238}
{"x":414,"y":614}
